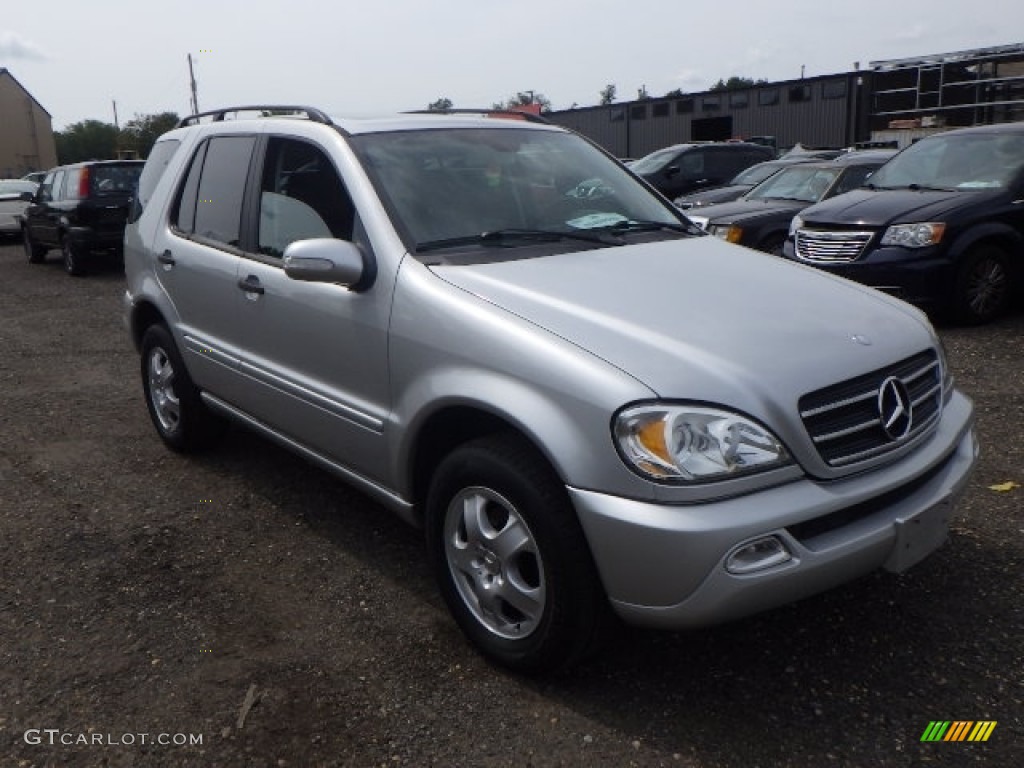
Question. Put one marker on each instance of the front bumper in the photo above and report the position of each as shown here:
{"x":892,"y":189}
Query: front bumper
{"x":665,"y":566}
{"x":922,"y":277}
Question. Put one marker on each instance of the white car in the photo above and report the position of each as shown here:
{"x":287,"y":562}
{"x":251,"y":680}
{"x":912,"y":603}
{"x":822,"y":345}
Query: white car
{"x":13,"y":204}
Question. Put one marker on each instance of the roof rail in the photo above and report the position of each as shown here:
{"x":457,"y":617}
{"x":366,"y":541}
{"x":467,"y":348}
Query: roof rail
{"x":511,"y":114}
{"x":217,"y":115}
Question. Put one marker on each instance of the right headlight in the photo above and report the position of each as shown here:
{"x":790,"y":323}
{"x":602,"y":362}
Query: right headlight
{"x":694,"y":444}
{"x":795,"y":224}
{"x":914,"y":235}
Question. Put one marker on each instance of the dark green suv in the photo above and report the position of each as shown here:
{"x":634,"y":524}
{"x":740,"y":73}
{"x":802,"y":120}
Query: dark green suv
{"x":80,"y":209}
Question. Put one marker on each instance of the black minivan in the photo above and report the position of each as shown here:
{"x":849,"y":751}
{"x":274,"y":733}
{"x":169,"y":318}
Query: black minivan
{"x":684,"y":168}
{"x":941,"y":225}
{"x":80,"y":209}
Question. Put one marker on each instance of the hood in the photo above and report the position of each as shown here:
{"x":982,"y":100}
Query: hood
{"x":881,"y":207}
{"x":750,"y":210}
{"x":700,"y":319}
{"x":714,"y":195}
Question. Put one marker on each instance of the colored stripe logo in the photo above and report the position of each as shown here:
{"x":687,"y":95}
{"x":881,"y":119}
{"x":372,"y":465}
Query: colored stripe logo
{"x":958,"y":730}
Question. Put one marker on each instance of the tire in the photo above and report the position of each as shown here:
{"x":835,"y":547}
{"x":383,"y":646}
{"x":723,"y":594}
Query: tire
{"x":36,"y":253}
{"x":178,"y":413}
{"x":510,"y":557}
{"x":74,"y":263}
{"x":984,"y":285}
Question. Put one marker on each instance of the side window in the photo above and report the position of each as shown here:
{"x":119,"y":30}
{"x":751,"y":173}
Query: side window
{"x":217,"y":211}
{"x":46,"y":188}
{"x":73,"y":184}
{"x":853,"y":178}
{"x":184,"y":217}
{"x":691,"y":163}
{"x":301,"y":197}
{"x":58,"y":184}
{"x":152,"y":171}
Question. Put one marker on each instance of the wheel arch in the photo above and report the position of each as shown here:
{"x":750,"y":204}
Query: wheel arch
{"x":143,"y":315}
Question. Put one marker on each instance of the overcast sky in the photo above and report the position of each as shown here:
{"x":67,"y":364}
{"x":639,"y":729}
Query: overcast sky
{"x":373,"y":57}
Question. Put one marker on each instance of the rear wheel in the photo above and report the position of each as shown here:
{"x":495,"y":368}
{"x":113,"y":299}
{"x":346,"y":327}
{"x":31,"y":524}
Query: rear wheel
{"x":178,"y":413}
{"x":35,"y":252}
{"x":510,"y":557}
{"x":74,"y":263}
{"x":984,"y":285}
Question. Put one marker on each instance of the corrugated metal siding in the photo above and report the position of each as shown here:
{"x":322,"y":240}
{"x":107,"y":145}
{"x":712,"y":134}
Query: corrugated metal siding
{"x":816,"y":122}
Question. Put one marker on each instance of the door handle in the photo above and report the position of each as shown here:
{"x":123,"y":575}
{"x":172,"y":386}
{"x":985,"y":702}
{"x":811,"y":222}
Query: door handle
{"x":166,"y":258}
{"x":251,"y":284}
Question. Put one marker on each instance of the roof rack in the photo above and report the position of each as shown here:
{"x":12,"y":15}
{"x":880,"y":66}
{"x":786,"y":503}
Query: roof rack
{"x":510,"y":114}
{"x":217,"y":115}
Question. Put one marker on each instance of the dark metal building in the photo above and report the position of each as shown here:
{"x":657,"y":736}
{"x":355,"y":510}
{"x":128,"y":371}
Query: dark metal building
{"x":951,"y":89}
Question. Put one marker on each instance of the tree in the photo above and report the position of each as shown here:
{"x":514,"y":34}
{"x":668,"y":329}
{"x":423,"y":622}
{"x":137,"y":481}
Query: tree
{"x":608,"y":94}
{"x":525,"y":99}
{"x":442,"y":104}
{"x":86,"y":140}
{"x":675,"y":93}
{"x":735,"y":83}
{"x":141,"y":132}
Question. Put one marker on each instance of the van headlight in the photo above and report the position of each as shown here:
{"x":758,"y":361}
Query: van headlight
{"x":795,"y":224}
{"x":694,"y":444}
{"x":914,"y":235}
{"x":728,"y":232}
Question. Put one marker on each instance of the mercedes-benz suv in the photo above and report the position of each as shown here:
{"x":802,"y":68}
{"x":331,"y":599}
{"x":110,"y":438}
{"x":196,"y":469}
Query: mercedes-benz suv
{"x":496,"y":330}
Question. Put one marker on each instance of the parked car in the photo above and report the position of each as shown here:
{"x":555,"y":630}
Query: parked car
{"x":13,"y":202}
{"x":80,"y":209}
{"x":686,"y":168}
{"x":739,"y":185}
{"x":36,"y":176}
{"x":761,"y":218}
{"x":585,"y":401}
{"x":941,"y":225}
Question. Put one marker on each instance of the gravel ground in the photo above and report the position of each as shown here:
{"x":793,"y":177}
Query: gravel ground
{"x":250,"y":600}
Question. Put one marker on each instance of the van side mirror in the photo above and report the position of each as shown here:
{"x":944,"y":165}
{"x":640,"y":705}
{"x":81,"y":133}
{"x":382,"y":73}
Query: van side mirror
{"x":26,"y":197}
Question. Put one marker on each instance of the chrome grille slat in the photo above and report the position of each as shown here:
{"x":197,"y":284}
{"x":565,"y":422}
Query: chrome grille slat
{"x":843,"y":422}
{"x":824,"y":246}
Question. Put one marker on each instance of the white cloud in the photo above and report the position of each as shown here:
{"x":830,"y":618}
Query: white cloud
{"x":14,"y":47}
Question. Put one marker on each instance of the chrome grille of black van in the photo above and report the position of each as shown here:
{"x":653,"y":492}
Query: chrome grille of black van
{"x":815,"y":245}
{"x":844,"y":420}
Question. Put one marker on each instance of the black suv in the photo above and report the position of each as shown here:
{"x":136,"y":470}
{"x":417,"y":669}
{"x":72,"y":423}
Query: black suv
{"x":81,"y":209}
{"x":685,"y":168}
{"x":940,"y":225}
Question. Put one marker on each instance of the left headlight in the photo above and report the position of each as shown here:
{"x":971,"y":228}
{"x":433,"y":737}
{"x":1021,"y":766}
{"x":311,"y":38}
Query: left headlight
{"x":914,"y":235}
{"x":694,"y":444}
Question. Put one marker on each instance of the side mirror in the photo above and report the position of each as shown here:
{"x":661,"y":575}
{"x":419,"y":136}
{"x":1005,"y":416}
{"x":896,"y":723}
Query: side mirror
{"x":671,"y":171}
{"x":325,"y":260}
{"x":26,"y":197}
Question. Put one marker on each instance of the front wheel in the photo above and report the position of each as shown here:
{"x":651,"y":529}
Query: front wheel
{"x":178,"y":413}
{"x":510,"y":557}
{"x":983,"y":286}
{"x":35,"y":252}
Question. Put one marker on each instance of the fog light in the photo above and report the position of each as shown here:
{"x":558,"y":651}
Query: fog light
{"x":757,"y":555}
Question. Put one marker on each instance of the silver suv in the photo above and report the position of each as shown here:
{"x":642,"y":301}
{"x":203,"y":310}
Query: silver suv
{"x":500,"y":333}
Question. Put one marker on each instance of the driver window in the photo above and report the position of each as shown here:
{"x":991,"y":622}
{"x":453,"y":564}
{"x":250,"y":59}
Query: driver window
{"x":691,"y":163}
{"x":301,"y":197}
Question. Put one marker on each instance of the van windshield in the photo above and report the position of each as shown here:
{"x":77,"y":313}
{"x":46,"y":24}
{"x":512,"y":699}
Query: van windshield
{"x":955,"y":162}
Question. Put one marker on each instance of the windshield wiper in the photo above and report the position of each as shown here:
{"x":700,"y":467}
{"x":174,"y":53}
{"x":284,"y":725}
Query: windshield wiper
{"x":512,"y":236}
{"x":642,"y":225}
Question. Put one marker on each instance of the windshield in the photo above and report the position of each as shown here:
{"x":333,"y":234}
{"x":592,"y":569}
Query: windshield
{"x":115,"y":179}
{"x":755,"y":174}
{"x":655,"y":161}
{"x":964,"y":162}
{"x":800,"y":182}
{"x":458,"y":184}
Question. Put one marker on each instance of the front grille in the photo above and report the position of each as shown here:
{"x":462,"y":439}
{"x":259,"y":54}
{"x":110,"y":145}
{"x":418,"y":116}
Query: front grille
{"x":812,"y":245}
{"x":844,"y":421}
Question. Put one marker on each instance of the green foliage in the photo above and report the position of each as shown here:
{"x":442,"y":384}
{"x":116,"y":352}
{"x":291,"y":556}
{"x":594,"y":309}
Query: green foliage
{"x":97,"y":140}
{"x":86,"y":140}
{"x":608,"y":94}
{"x":675,"y":93}
{"x":524,"y":98}
{"x":735,"y":83}
{"x":440,"y":105}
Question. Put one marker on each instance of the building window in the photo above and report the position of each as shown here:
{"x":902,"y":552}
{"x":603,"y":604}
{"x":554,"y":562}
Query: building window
{"x":616,"y":115}
{"x":739,"y":100}
{"x":710,"y":103}
{"x":800,"y":93}
{"x":638,"y":112}
{"x":659,"y":110}
{"x":684,"y":106}
{"x":833,"y":89}
{"x":768,"y":96}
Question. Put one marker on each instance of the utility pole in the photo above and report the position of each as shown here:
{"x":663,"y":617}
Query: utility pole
{"x":192,"y":81}
{"x":116,"y":125}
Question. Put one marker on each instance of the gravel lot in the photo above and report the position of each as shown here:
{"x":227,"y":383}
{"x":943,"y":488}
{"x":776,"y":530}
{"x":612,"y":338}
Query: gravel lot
{"x":142,"y":592}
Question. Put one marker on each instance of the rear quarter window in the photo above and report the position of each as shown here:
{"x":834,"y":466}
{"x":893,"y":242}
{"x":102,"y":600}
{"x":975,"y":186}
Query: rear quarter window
{"x":159,"y":158}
